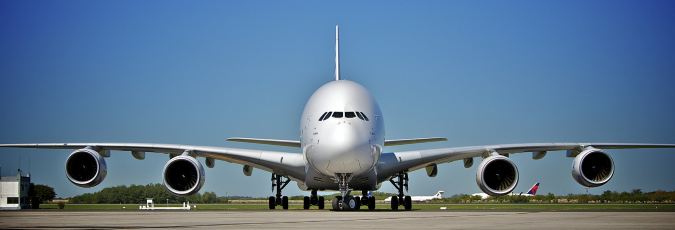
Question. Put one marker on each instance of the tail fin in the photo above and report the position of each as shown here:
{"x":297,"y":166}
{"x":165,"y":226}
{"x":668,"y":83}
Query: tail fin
{"x":337,"y":55}
{"x":439,"y":194}
{"x":533,"y":190}
{"x":370,"y":193}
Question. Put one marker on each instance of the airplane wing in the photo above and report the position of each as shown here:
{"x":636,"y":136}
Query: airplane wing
{"x":283,"y":163}
{"x":413,"y":141}
{"x":287,"y":143}
{"x":293,"y":143}
{"x":395,"y":162}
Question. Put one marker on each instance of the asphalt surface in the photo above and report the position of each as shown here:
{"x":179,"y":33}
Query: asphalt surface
{"x":325,"y":219}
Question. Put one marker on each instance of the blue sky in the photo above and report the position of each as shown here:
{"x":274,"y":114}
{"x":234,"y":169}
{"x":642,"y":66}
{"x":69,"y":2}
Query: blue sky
{"x":475,"y":72}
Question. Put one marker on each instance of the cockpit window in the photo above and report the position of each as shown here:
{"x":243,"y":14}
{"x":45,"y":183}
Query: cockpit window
{"x":322,"y":116}
{"x":359,"y":114}
{"x":350,"y":114}
{"x":364,"y":116}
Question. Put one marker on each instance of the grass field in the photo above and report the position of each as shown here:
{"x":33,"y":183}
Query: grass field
{"x":386,"y":206}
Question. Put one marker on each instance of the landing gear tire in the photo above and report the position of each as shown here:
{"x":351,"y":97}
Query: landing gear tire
{"x":349,"y":204}
{"x":279,"y":184}
{"x":306,"y":203}
{"x":400,"y":182}
{"x":371,"y":203}
{"x":337,"y":203}
{"x":272,"y":202}
{"x":284,"y":202}
{"x":394,"y":203}
{"x":358,"y":204}
{"x":321,"y":202}
{"x":408,"y":203}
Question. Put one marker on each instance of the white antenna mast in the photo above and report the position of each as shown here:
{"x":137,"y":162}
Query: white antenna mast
{"x":337,"y":55}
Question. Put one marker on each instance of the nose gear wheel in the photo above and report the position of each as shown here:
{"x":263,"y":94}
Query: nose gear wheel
{"x":347,"y":202}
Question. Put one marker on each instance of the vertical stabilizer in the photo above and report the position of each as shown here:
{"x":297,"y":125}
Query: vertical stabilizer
{"x":533,"y":190}
{"x":337,"y":55}
{"x":439,"y":194}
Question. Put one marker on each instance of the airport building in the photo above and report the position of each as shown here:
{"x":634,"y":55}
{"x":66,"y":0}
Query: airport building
{"x":14,"y":191}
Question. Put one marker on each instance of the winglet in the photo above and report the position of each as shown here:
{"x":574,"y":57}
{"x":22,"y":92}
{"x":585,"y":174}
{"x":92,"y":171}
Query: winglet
{"x":337,"y":55}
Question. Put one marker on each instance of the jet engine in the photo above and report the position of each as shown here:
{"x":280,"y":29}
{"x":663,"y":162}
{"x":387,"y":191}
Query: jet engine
{"x":86,"y":168}
{"x":183,"y":175}
{"x":497,"y":175}
{"x":592,"y":168}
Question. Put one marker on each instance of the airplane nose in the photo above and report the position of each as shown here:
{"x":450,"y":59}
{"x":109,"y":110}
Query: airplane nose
{"x":343,"y":149}
{"x":343,"y":142}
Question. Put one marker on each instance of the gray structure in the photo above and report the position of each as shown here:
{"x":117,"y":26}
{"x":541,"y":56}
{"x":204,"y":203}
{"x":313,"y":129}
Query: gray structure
{"x":14,"y":191}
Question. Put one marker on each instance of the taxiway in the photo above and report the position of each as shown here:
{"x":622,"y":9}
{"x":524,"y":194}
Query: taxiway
{"x":324,"y":219}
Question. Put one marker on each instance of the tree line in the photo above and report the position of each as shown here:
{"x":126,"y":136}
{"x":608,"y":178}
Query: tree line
{"x":137,"y":194}
{"x":39,"y":194}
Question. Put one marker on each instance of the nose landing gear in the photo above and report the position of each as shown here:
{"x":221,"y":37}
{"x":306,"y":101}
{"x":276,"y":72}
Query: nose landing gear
{"x":345,"y":202}
{"x":348,"y":202}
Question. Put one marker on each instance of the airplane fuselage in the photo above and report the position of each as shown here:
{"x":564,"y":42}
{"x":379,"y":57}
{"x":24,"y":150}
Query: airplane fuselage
{"x":341,"y":132}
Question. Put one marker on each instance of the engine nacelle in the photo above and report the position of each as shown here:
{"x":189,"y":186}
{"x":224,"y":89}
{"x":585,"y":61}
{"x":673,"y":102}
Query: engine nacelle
{"x":183,"y":175}
{"x":86,"y":168}
{"x":592,"y":168}
{"x":497,"y":175}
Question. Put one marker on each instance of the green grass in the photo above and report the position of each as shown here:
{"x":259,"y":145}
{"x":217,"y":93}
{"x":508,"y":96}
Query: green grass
{"x":91,"y":206}
{"x":387,"y":207}
{"x":545,"y":206}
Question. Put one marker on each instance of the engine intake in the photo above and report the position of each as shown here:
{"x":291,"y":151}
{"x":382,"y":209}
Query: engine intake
{"x":592,"y":168}
{"x":183,"y":175}
{"x":86,"y":168}
{"x":497,"y":175}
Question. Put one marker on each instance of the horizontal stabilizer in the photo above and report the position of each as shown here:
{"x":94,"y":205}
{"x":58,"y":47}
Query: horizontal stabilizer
{"x":288,"y":143}
{"x":413,"y":141}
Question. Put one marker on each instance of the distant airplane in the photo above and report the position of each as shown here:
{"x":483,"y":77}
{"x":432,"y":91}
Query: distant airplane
{"x":531,"y":192}
{"x":422,"y":198}
{"x":340,"y":148}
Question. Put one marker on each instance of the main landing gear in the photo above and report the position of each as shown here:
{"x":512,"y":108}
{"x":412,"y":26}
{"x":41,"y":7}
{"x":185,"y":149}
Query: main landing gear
{"x":402,"y":200}
{"x":367,"y":200}
{"x":348,"y":202}
{"x":279,"y":200}
{"x":313,"y":200}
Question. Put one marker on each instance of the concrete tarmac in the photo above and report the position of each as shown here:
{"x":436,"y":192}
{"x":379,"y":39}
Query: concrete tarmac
{"x":325,"y":219}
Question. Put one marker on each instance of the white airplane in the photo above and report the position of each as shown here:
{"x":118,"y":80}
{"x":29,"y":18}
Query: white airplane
{"x":439,"y":195}
{"x":531,"y":192}
{"x":340,"y":148}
